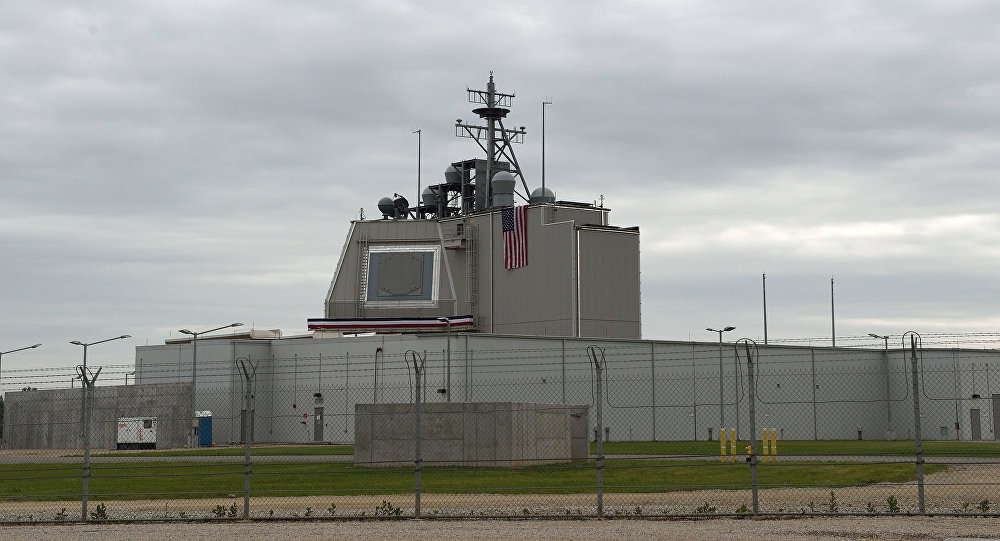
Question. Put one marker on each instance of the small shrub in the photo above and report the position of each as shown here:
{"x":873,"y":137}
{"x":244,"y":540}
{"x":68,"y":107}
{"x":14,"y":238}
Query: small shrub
{"x":219,"y":511}
{"x":332,"y":509}
{"x":182,"y":514}
{"x":871,"y":508}
{"x":984,"y":506}
{"x":742,"y":510}
{"x":61,"y":515}
{"x":705,"y":509}
{"x":233,"y":511}
{"x":387,"y":509}
{"x":100,"y":512}
{"x":892,"y":504}
{"x":638,"y":510}
{"x":832,"y":504}
{"x":309,"y":511}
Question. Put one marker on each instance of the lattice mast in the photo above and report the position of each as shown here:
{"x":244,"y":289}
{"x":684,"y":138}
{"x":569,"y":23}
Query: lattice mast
{"x":498,"y":140}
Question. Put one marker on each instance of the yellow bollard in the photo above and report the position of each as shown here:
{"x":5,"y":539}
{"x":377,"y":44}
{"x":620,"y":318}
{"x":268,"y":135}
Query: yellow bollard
{"x":774,"y":445}
{"x":732,"y":445}
{"x":722,"y":444}
{"x":763,"y":445}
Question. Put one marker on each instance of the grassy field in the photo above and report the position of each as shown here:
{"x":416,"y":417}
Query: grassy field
{"x":165,"y":480}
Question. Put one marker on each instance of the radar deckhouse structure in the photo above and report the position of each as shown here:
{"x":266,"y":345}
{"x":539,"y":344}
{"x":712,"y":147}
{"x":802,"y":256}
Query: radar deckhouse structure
{"x":440,"y":264}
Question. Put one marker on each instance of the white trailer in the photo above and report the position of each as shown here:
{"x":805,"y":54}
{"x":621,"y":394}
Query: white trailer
{"x":137,"y":433}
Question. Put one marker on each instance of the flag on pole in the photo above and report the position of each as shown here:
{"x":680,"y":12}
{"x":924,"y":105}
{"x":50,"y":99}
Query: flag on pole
{"x":515,"y":236}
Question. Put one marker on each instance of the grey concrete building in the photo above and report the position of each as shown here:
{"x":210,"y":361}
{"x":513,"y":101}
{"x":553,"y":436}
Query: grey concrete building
{"x":52,"y":418}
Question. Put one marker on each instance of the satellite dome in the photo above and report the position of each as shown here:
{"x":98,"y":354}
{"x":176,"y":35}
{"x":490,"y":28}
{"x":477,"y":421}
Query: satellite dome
{"x":452,"y":175}
{"x":429,"y":197}
{"x":503,"y":182}
{"x":386,"y":207}
{"x":502,"y":186}
{"x":542,"y":195}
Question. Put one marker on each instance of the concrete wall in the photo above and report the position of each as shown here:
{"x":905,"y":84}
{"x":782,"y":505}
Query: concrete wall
{"x":654,"y":389}
{"x":473,"y":434}
{"x":52,"y":419}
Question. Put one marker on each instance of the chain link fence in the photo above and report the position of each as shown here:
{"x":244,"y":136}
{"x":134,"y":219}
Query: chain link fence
{"x":565,"y":429}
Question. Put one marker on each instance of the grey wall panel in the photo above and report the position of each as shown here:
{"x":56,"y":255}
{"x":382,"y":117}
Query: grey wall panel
{"x":609,"y":283}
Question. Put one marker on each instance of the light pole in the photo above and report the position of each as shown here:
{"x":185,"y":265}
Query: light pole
{"x":87,"y":383}
{"x":2,"y":353}
{"x":447,"y":383}
{"x":544,"y":103}
{"x":192,"y":442}
{"x":722,"y":413}
{"x":127,"y":374}
{"x":885,"y":368}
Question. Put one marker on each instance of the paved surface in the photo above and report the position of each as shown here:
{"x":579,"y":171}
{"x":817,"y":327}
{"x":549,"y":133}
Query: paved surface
{"x":819,"y":528}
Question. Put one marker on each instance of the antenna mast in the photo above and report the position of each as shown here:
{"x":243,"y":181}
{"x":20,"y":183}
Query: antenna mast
{"x":498,"y":140}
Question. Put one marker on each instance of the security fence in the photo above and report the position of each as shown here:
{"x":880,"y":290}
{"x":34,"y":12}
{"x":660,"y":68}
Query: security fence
{"x":598,"y":429}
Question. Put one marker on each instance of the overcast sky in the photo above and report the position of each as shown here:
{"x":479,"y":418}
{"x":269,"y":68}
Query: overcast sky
{"x":189,"y":164}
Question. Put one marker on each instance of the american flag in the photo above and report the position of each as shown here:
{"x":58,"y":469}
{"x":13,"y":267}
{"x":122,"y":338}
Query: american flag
{"x":515,"y":236}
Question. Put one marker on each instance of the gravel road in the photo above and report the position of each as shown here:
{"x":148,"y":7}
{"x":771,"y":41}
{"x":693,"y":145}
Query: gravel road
{"x":833,"y":528}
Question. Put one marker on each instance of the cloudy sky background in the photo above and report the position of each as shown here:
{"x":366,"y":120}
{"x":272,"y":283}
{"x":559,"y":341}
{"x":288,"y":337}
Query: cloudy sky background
{"x":170,"y":164}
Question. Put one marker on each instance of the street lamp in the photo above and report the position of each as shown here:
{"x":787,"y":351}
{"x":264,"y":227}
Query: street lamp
{"x":2,"y":353}
{"x":127,"y":374}
{"x":447,"y":384}
{"x":544,"y":103}
{"x":885,"y":368}
{"x":722,"y":413}
{"x":194,"y":374}
{"x":87,"y":383}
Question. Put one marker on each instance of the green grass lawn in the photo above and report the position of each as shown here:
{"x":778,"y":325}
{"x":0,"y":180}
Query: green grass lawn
{"x":164,"y":480}
{"x":808,"y":447}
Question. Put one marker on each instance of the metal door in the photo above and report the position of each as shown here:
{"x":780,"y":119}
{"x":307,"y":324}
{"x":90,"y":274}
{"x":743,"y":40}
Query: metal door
{"x":318,"y":424}
{"x":974,"y":424}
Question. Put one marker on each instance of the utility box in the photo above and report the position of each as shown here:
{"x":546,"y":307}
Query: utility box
{"x":137,"y":433}
{"x":204,"y":428}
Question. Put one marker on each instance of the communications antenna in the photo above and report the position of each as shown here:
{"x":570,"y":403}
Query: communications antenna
{"x":494,"y":138}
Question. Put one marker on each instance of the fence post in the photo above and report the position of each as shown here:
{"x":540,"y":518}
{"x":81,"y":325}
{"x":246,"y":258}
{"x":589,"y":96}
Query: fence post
{"x":249,"y":370}
{"x":919,"y":457}
{"x":86,"y":447}
{"x":87,"y":379}
{"x":418,"y":369}
{"x":599,"y":367}
{"x":652,"y":380}
{"x":752,"y":398}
